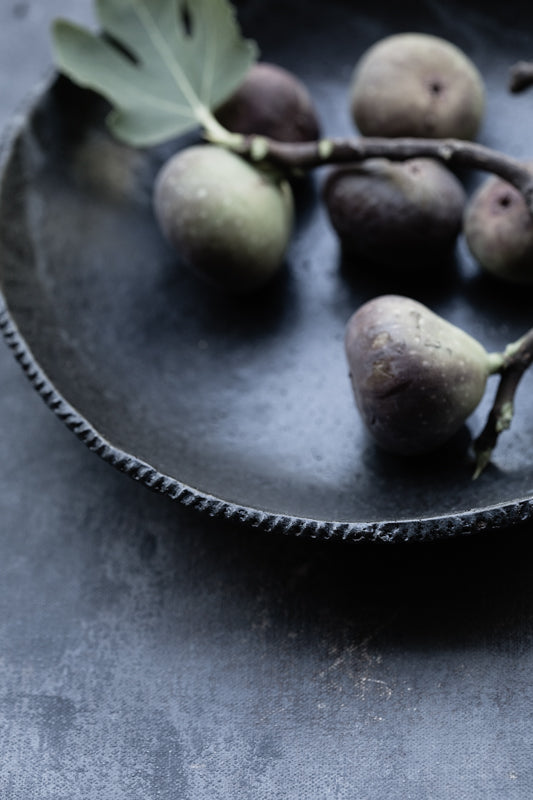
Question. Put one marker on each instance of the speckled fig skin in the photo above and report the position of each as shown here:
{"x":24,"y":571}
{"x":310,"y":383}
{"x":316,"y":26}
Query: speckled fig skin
{"x":498,"y":230}
{"x":414,"y":84}
{"x":229,"y":221}
{"x":271,"y":102}
{"x":416,"y":377}
{"x":402,"y":215}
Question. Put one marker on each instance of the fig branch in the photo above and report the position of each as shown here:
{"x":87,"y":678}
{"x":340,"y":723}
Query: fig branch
{"x":453,"y":152}
{"x":518,"y":356}
{"x":520,"y":76}
{"x":516,"y":359}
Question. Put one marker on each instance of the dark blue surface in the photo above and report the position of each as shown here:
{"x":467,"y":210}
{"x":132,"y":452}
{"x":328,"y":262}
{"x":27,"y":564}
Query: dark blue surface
{"x":149,"y":653}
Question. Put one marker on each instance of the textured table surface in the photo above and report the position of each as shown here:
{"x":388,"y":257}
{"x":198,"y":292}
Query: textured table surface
{"x":147,"y":652}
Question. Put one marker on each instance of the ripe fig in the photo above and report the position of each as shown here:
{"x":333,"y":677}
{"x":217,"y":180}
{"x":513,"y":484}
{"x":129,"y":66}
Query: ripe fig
{"x":230,"y":221}
{"x":498,"y":229}
{"x":271,"y":102}
{"x":414,"y":84}
{"x":415,"y":377}
{"x":402,"y":215}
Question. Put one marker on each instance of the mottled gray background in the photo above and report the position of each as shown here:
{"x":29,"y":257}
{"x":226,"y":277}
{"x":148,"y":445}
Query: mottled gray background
{"x":147,"y":653}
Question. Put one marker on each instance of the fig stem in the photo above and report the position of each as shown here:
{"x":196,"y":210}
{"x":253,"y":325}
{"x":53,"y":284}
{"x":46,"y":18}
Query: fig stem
{"x":453,"y":152}
{"x":216,"y":133}
{"x":517,"y":357}
{"x":520,"y":76}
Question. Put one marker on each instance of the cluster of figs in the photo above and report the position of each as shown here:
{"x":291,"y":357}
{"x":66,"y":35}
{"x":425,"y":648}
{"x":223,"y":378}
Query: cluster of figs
{"x":415,"y":376}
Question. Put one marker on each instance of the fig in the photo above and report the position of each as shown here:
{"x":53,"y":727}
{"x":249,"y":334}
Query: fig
{"x":416,"y":377}
{"x":498,"y":229}
{"x":415,"y":84}
{"x":402,"y":215}
{"x":230,"y":221}
{"x":271,"y":102}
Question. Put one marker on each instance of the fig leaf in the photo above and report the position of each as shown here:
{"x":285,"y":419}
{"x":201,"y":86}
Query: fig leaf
{"x":162,"y":64}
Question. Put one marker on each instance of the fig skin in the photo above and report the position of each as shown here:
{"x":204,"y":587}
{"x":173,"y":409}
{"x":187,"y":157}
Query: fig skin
{"x":414,"y":84}
{"x":271,"y":102}
{"x":230,"y":221}
{"x":400,"y":215}
{"x":498,"y":229}
{"x":415,"y":377}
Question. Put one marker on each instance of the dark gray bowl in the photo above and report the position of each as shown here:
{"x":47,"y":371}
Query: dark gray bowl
{"x":243,"y":408}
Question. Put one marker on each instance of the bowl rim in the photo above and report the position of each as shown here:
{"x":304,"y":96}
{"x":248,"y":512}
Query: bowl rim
{"x":427,"y":528}
{"x":494,"y":517}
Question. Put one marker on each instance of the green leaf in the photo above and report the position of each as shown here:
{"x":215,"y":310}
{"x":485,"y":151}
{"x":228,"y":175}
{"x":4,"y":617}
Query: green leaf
{"x":164,"y":65}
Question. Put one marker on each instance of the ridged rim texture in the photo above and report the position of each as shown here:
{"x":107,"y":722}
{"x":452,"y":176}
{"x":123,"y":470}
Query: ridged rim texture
{"x":493,"y":518}
{"x":387,"y":531}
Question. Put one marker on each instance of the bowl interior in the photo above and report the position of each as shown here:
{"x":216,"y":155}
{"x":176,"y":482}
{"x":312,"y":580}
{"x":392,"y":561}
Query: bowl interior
{"x":248,"y":400}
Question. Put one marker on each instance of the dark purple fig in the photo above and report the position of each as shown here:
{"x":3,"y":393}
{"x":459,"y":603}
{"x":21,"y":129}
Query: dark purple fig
{"x":230,"y":221}
{"x":498,"y":228}
{"x":271,"y":102}
{"x":416,"y":378}
{"x":415,"y":84}
{"x":404,"y":215}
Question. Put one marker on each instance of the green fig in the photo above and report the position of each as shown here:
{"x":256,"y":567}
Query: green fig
{"x":230,"y":221}
{"x":402,"y":215}
{"x":271,"y":102}
{"x":498,"y":228}
{"x":415,"y":84}
{"x":416,"y":377}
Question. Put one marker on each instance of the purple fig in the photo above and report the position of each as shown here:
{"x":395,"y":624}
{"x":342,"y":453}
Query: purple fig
{"x":403,"y":215}
{"x":498,"y":228}
{"x":271,"y":102}
{"x":416,"y":377}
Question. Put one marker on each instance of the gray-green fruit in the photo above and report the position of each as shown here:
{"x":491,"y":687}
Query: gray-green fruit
{"x":498,"y":229}
{"x":271,"y":102}
{"x":414,"y":84}
{"x":230,"y":221}
{"x":415,"y":377}
{"x":404,"y":215}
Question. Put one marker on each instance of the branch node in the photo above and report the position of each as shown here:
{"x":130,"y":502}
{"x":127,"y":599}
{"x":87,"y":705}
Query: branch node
{"x":482,"y":460}
{"x":258,"y":148}
{"x":445,"y":152}
{"x":505,"y":417}
{"x":325,"y":148}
